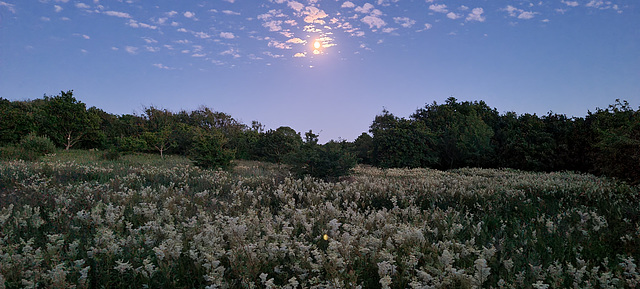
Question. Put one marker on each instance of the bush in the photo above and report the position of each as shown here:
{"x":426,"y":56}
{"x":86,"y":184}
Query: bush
{"x":111,"y":155}
{"x":132,"y":144}
{"x":18,"y":153}
{"x":328,"y":162}
{"x":209,"y":152}
{"x":39,"y":144}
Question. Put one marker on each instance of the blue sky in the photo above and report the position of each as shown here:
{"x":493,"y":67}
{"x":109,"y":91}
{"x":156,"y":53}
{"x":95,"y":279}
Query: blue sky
{"x":329,"y":66}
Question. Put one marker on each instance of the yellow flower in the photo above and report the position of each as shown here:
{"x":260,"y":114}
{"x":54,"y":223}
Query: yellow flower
{"x":325,"y":237}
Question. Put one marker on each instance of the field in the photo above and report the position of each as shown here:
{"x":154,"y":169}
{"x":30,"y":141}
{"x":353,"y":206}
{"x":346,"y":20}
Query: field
{"x":73,"y":220}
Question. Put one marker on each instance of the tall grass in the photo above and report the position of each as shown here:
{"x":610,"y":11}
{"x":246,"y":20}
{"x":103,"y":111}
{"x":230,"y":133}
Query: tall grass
{"x":75,"y":220}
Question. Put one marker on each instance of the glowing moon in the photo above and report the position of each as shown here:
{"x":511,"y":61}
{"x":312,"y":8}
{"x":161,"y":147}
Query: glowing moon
{"x":316,"y":44}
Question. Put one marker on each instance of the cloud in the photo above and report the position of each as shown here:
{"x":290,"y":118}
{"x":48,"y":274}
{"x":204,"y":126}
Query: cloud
{"x":512,"y":10}
{"x":519,"y":13}
{"x":136,"y":24}
{"x":364,"y":8}
{"x":171,"y":13}
{"x":227,"y":35}
{"x":230,"y":1}
{"x":279,"y":45}
{"x":82,"y":6}
{"x":441,"y":8}
{"x":314,"y":15}
{"x":117,"y":14}
{"x":300,"y":54}
{"x":373,"y":21}
{"x":570,"y":3}
{"x":149,"y":40}
{"x":476,"y":15}
{"x":405,"y":22}
{"x":131,"y":49}
{"x":348,"y":4}
{"x":273,"y":25}
{"x":526,"y":15}
{"x":57,"y":8}
{"x":452,"y":15}
{"x":427,"y":26}
{"x":189,"y":14}
{"x":85,"y":36}
{"x":231,"y":51}
{"x":295,"y":5}
{"x":296,"y":41}
{"x":229,"y":12}
{"x":202,"y":35}
{"x":268,"y":53}
{"x":162,"y":66}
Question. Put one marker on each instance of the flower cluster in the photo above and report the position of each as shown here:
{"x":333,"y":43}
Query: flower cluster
{"x":65,"y":224}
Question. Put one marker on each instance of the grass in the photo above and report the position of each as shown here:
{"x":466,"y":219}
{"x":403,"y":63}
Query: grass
{"x":75,"y":219}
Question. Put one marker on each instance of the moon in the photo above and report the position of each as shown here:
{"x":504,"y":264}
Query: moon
{"x":316,"y":44}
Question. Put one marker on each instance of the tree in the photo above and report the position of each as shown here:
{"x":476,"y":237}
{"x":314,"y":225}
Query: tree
{"x":160,"y":128}
{"x":462,"y":137}
{"x":16,"y":120}
{"x":64,"y":119}
{"x":208,"y":150}
{"x":328,"y":162}
{"x":362,"y":148}
{"x":399,"y":142}
{"x":274,"y":145}
{"x":617,"y":143}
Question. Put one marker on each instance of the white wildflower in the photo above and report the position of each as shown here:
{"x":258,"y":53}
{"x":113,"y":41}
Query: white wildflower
{"x":385,"y":282}
{"x":482,"y":271}
{"x":122,"y":266}
{"x":540,"y":285}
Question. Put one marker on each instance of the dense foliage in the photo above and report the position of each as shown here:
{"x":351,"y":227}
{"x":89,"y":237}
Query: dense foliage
{"x":73,"y":220}
{"x":470,"y":134}
{"x":442,"y":136}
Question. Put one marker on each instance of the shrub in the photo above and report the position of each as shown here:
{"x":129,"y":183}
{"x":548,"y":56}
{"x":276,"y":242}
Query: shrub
{"x":111,"y":155}
{"x":328,"y":162}
{"x":17,"y":153}
{"x":39,"y":144}
{"x":209,"y":152}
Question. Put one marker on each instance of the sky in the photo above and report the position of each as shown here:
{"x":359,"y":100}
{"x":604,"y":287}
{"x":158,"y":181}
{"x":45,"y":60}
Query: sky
{"x":323,"y":65}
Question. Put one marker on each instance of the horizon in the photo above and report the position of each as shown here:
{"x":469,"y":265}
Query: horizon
{"x":326,"y":66}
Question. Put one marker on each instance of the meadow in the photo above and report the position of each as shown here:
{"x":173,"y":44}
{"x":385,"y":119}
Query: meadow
{"x":73,"y":220}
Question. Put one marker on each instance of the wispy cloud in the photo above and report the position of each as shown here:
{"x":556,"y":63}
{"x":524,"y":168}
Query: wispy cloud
{"x":227,"y":35}
{"x":162,"y":66}
{"x":229,"y":12}
{"x":519,"y":13}
{"x":131,"y":49}
{"x":405,"y":22}
{"x":373,"y":21}
{"x":441,"y":8}
{"x":117,"y":14}
{"x":82,"y":5}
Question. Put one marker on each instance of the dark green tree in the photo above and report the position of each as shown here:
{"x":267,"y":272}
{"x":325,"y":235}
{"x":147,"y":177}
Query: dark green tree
{"x":17,"y":119}
{"x":64,"y":119}
{"x":274,"y":145}
{"x":398,"y":142}
{"x":209,"y":150}
{"x":328,"y":162}
{"x":462,"y":138}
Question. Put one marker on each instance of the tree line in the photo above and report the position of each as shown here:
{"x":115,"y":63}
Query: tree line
{"x":443,"y":136}
{"x":471,"y":134}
